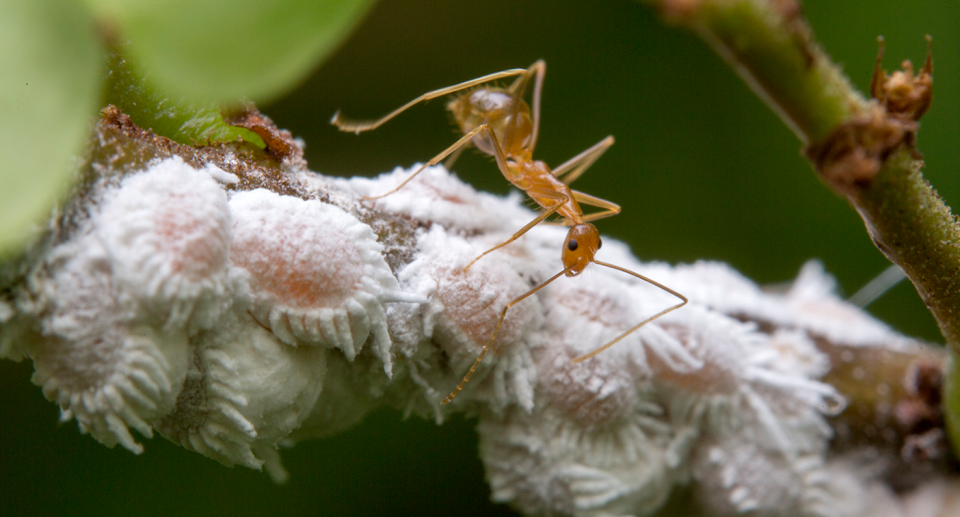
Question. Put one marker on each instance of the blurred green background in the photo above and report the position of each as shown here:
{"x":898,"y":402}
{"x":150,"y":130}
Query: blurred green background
{"x":702,"y":169}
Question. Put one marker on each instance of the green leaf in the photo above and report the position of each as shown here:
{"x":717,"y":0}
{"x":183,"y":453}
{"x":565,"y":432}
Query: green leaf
{"x":190,"y":123}
{"x":49,"y":86}
{"x":225,"y":50}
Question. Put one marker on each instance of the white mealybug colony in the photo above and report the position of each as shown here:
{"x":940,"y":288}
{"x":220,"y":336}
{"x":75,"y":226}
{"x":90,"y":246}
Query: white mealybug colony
{"x":149,"y":266}
{"x":247,"y":391}
{"x":167,"y":232}
{"x":232,"y":317}
{"x":317,"y":274}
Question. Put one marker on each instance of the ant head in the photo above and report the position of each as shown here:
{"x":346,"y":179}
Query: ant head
{"x":581,"y":244}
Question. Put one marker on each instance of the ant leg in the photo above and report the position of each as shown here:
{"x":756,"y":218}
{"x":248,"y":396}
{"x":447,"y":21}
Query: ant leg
{"x":576,"y":166}
{"x":540,"y":69}
{"x":448,"y":163}
{"x":642,"y":323}
{"x":358,"y":126}
{"x":549,"y":194}
{"x":503,"y":314}
{"x":520,"y":85}
{"x":459,"y":144}
{"x":610,"y":209}
{"x":498,"y":154}
{"x":517,"y":89}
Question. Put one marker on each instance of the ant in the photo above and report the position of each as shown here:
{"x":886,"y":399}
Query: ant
{"x":498,"y":122}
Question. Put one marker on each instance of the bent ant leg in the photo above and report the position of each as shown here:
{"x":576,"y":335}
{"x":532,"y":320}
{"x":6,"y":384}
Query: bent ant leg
{"x":576,"y":166}
{"x":537,"y":70}
{"x":610,"y":208}
{"x":464,"y":140}
{"x":549,"y":194}
{"x":459,"y":144}
{"x":642,"y":323}
{"x":503,"y":314}
{"x":448,"y":163}
{"x":358,"y":126}
{"x":540,"y":69}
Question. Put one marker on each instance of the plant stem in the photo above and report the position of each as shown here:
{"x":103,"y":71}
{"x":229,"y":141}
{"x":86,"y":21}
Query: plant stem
{"x":913,"y":227}
{"x":862,"y":150}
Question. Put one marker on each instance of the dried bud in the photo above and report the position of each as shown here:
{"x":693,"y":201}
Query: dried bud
{"x":902,"y":94}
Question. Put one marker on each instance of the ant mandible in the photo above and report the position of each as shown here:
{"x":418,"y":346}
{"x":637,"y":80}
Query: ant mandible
{"x":498,"y":122}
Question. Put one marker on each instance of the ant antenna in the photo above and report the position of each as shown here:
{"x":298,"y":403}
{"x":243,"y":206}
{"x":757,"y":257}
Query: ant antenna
{"x":642,"y":323}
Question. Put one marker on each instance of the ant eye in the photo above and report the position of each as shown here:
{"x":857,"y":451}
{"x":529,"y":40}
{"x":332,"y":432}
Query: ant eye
{"x":599,"y":243}
{"x":572,"y":245}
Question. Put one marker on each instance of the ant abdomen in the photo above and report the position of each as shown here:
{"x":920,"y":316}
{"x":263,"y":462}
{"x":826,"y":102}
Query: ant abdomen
{"x":494,"y":107}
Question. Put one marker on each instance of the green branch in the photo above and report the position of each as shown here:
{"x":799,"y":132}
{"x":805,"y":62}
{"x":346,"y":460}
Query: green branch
{"x":863,"y":150}
{"x":913,"y":227}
